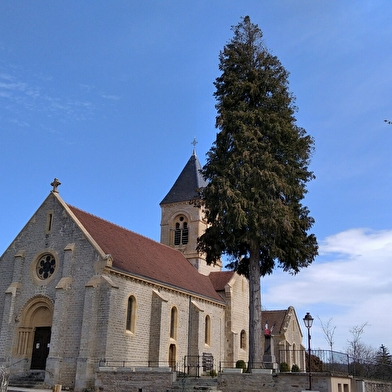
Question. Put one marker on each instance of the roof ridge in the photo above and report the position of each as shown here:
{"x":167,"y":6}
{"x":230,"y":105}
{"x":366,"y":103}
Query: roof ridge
{"x":111,"y":223}
{"x":137,"y":254}
{"x":129,"y":230}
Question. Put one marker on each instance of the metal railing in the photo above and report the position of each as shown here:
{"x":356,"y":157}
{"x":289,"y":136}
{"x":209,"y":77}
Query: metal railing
{"x":321,"y":361}
{"x":338,"y":362}
{"x":190,"y":365}
{"x":135,"y":364}
{"x":331,"y":361}
{"x":243,"y":366}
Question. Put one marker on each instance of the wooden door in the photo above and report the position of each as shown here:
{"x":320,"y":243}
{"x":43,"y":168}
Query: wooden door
{"x":40,"y":348}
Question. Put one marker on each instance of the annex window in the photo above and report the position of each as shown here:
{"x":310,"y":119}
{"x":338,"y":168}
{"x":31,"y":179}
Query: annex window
{"x":243,"y":340}
{"x":207,"y":330}
{"x":131,"y":314}
{"x":181,"y":231}
{"x":173,"y":322}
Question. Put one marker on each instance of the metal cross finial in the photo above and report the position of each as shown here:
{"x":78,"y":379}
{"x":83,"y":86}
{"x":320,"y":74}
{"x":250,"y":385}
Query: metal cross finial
{"x":194,"y":145}
{"x":55,"y":184}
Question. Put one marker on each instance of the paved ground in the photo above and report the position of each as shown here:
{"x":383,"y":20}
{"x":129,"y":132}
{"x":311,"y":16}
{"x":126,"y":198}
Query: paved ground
{"x":17,"y":389}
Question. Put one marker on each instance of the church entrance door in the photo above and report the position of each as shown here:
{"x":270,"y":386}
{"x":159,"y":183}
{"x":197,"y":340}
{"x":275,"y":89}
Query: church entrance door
{"x":40,"y":348}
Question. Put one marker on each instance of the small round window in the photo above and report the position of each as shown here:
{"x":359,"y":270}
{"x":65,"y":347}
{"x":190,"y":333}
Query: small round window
{"x":46,"y":266}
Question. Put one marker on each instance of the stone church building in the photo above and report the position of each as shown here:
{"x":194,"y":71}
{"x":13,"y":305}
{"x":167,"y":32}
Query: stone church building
{"x":77,"y":291}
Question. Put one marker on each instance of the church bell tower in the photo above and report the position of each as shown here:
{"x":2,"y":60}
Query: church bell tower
{"x":181,"y":221}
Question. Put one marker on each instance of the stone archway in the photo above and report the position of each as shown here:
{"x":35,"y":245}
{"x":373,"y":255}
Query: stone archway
{"x":34,"y":331}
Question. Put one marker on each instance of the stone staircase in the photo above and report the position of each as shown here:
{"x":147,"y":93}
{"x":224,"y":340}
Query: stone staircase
{"x":34,"y":379}
{"x":194,"y":384}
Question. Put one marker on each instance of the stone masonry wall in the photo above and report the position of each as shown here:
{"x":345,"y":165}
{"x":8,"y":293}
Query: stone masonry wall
{"x":281,"y":382}
{"x":377,"y":386}
{"x":146,"y":380}
{"x":289,"y":382}
{"x":151,"y":338}
{"x":239,"y":308}
{"x":127,"y":380}
{"x":75,"y":258}
{"x":196,"y":226}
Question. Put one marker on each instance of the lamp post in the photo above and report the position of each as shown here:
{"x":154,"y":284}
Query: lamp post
{"x":308,"y":320}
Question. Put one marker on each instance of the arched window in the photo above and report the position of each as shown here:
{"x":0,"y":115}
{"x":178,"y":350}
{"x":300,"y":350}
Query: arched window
{"x":173,"y":323}
{"x":243,"y":340}
{"x":294,"y":355}
{"x":185,"y":232}
{"x":181,"y":231}
{"x":131,"y":314}
{"x":207,"y":330}
{"x":177,"y":234}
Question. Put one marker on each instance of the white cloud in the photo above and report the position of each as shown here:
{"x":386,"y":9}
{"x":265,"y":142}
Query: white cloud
{"x":112,"y":97}
{"x":5,"y":76}
{"x":350,"y":282}
{"x":13,"y":86}
{"x":357,"y":242}
{"x":29,"y":95}
{"x":19,"y":123}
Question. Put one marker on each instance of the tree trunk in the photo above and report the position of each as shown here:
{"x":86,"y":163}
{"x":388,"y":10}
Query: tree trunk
{"x":255,"y":327}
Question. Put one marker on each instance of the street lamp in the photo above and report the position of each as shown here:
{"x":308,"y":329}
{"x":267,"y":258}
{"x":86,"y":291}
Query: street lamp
{"x":308,"y":320}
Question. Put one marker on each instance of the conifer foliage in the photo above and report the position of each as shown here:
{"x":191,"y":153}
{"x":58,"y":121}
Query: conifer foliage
{"x":257,"y":171}
{"x":383,"y":364}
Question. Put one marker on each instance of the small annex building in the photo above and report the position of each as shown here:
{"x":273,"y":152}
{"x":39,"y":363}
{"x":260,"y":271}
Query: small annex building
{"x":77,"y":290}
{"x":283,"y":338}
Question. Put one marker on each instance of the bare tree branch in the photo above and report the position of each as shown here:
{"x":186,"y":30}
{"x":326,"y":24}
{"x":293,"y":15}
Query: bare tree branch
{"x":329,"y":331}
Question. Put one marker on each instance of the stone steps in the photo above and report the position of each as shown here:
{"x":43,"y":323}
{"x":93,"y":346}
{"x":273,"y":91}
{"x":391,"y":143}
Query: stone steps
{"x":193,"y":384}
{"x":34,"y":379}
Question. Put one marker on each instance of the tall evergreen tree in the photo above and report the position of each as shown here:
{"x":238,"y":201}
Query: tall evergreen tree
{"x":383,"y":364}
{"x":257,"y":171}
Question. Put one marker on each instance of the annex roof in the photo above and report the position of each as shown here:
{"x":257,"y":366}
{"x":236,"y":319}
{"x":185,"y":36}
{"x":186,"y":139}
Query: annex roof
{"x":141,"y":256}
{"x":279,"y":318}
{"x":220,"y":279}
{"x":187,"y":183}
{"x":274,"y":317}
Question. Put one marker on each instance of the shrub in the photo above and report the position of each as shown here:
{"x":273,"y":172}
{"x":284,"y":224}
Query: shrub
{"x":284,"y":367}
{"x":240,"y":364}
{"x":295,"y":368}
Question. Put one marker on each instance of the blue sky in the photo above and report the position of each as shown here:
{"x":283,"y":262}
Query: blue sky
{"x":108,"y":96}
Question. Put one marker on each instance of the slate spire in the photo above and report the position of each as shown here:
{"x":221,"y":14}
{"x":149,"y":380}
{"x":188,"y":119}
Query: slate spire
{"x":187,"y":183}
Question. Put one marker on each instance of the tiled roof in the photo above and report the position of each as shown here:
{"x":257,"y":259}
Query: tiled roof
{"x":272,"y":317}
{"x":141,"y":256}
{"x":187,"y":183}
{"x":220,"y":279}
